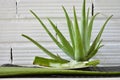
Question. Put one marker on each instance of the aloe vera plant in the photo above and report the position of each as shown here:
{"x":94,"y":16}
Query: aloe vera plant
{"x":79,"y":49}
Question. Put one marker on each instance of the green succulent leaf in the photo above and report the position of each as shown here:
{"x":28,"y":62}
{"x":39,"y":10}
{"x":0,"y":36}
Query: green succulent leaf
{"x":94,"y":52}
{"x":70,"y":27}
{"x":95,"y":42}
{"x":74,"y":64}
{"x":83,"y":20}
{"x":42,"y":48}
{"x":93,"y":63}
{"x":83,"y":27}
{"x":89,"y":30}
{"x":47,"y":62}
{"x":87,"y":18}
{"x":65,"y":43}
{"x":52,"y":37}
{"x":79,"y":49}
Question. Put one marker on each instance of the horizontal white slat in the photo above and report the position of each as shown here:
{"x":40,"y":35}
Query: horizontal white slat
{"x":48,"y":8}
{"x":7,"y":9}
{"x":108,"y":7}
{"x":111,"y":3}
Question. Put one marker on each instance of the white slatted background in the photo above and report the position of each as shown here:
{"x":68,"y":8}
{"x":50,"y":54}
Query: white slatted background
{"x":12,"y":25}
{"x":108,"y":7}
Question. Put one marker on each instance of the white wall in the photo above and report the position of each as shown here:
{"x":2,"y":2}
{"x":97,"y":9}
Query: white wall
{"x":13,"y":23}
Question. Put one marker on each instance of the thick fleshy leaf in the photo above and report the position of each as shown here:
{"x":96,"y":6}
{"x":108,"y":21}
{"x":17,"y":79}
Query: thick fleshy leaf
{"x":79,"y":50}
{"x":87,"y":17}
{"x":47,"y":62}
{"x":42,"y":48}
{"x":95,"y":42}
{"x":52,"y":37}
{"x":75,"y":64}
{"x":69,"y":65}
{"x":83,"y":27}
{"x":93,"y":63}
{"x":63,"y":40}
{"x":83,"y":19}
{"x":70,"y":27}
{"x":89,"y":30}
{"x":87,"y":21}
{"x":94,"y":52}
{"x":90,"y":26}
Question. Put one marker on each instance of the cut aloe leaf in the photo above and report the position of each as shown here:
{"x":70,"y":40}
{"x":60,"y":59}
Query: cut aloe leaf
{"x":46,"y":62}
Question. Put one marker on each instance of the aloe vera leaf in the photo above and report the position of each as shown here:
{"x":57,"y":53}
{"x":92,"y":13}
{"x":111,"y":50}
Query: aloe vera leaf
{"x":46,"y":62}
{"x":94,"y":52}
{"x":52,"y":37}
{"x":79,"y":50}
{"x":90,"y":27}
{"x":8,"y":72}
{"x":70,"y":27}
{"x":41,"y":47}
{"x":83,"y":24}
{"x":65,"y":43}
{"x":93,"y":63}
{"x":87,"y":18}
{"x":94,"y":44}
{"x":83,"y":19}
{"x":87,"y":21}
